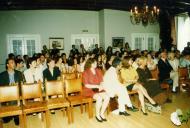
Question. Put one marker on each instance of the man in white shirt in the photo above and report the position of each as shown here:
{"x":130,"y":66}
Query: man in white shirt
{"x":113,"y":87}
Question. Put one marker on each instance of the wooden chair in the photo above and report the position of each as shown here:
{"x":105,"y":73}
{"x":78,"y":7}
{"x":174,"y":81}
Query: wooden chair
{"x":183,"y":77}
{"x":69,"y":76}
{"x":154,"y":74}
{"x":29,"y":93}
{"x":73,"y":89}
{"x":56,"y":89}
{"x":10,"y":94}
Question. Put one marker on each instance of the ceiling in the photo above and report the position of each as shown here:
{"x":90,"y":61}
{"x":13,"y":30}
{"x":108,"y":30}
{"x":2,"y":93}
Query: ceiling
{"x":172,"y":6}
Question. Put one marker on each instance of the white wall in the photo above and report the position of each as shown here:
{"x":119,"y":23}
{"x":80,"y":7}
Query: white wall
{"x":46,"y":23}
{"x":118,"y":24}
{"x":64,"y":23}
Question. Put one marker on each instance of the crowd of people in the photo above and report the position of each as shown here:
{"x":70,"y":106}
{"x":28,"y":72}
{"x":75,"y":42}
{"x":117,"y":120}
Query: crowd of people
{"x":105,"y":74}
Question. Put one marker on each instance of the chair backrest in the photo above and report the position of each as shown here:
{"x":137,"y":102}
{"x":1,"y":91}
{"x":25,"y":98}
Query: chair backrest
{"x":9,"y":93}
{"x":73,"y":86}
{"x":54,"y":88}
{"x":154,"y":73}
{"x":183,"y":72}
{"x":31,"y":91}
{"x":69,"y":76}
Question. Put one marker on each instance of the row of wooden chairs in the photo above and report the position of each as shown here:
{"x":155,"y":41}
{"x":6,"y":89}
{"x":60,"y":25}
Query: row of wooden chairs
{"x":62,"y":94}
{"x":183,"y":77}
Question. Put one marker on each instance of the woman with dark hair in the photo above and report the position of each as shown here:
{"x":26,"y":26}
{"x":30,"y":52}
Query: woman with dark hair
{"x":132,"y":82}
{"x":52,"y":72}
{"x":32,"y":74}
{"x":92,"y":80}
{"x":109,"y":51}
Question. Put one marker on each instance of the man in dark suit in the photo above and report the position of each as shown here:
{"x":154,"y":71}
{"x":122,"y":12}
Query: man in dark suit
{"x":74,"y":50}
{"x":10,"y":77}
{"x":165,"y":68}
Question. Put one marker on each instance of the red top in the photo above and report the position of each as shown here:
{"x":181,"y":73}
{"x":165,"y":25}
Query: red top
{"x":89,"y":78}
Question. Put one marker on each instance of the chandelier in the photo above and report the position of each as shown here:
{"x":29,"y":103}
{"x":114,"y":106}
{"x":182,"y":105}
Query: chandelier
{"x":144,"y":15}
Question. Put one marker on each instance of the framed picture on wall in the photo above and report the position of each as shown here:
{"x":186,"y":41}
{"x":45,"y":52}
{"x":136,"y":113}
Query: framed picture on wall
{"x":118,"y":42}
{"x":56,"y":42}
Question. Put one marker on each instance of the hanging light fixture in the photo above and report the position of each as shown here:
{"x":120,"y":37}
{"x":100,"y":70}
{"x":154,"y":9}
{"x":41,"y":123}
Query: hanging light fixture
{"x":144,"y":15}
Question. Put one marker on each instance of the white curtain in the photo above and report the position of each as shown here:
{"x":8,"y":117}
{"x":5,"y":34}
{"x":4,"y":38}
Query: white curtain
{"x":183,"y":31}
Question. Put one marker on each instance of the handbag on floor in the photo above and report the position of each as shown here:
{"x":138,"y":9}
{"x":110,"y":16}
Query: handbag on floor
{"x":151,"y":108}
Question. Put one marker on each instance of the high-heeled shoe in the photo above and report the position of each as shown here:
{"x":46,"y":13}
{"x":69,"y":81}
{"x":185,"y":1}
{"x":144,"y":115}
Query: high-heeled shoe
{"x":155,"y":105}
{"x":103,"y":119}
{"x":144,"y":113}
{"x":99,"y":120}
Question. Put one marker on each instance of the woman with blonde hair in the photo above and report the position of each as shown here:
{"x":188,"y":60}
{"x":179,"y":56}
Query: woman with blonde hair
{"x":131,"y":82}
{"x":145,"y":78}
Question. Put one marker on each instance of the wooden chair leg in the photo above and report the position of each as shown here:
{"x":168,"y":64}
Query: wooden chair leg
{"x":21,"y":122}
{"x":72,"y":118}
{"x":81,"y":108}
{"x":90,"y":110}
{"x":108,"y":109}
{"x":68,"y":111}
{"x":1,"y":123}
{"x":24,"y":121}
{"x":47,"y":116}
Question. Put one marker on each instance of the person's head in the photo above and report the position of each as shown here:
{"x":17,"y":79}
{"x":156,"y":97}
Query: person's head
{"x":116,"y":63}
{"x":54,"y":46}
{"x":126,"y":45}
{"x":96,"y":45}
{"x":31,"y":62}
{"x":163,"y":55}
{"x":81,"y":46}
{"x":73,"y":46}
{"x":90,"y":63}
{"x":58,"y":60}
{"x":11,"y":55}
{"x":10,"y":64}
{"x":51,"y":62}
{"x":149,"y":56}
{"x":44,"y":47}
{"x":171,"y":56}
{"x":127,"y":62}
{"x":142,"y":61}
{"x":188,"y":44}
{"x":75,"y":61}
{"x":42,"y":58}
{"x":19,"y":63}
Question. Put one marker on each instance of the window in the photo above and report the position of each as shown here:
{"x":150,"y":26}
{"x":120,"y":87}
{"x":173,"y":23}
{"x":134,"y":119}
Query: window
{"x":23,"y":44}
{"x":88,"y":40}
{"x":145,"y":41}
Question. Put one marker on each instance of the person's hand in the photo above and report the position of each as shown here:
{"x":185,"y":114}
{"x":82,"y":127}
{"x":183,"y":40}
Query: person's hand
{"x":152,"y":79}
{"x":100,"y":88}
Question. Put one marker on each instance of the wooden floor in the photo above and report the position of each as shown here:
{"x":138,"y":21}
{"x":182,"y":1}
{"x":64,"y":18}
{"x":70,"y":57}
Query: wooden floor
{"x":136,"y":120}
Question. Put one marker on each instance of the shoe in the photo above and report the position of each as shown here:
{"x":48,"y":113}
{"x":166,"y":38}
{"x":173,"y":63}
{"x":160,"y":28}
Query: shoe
{"x":124,"y":113}
{"x":133,"y":109}
{"x":174,"y":92}
{"x":168,"y":100}
{"x":103,"y":119}
{"x":144,"y":113}
{"x":99,"y":119}
{"x":155,"y":105}
{"x":52,"y":112}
